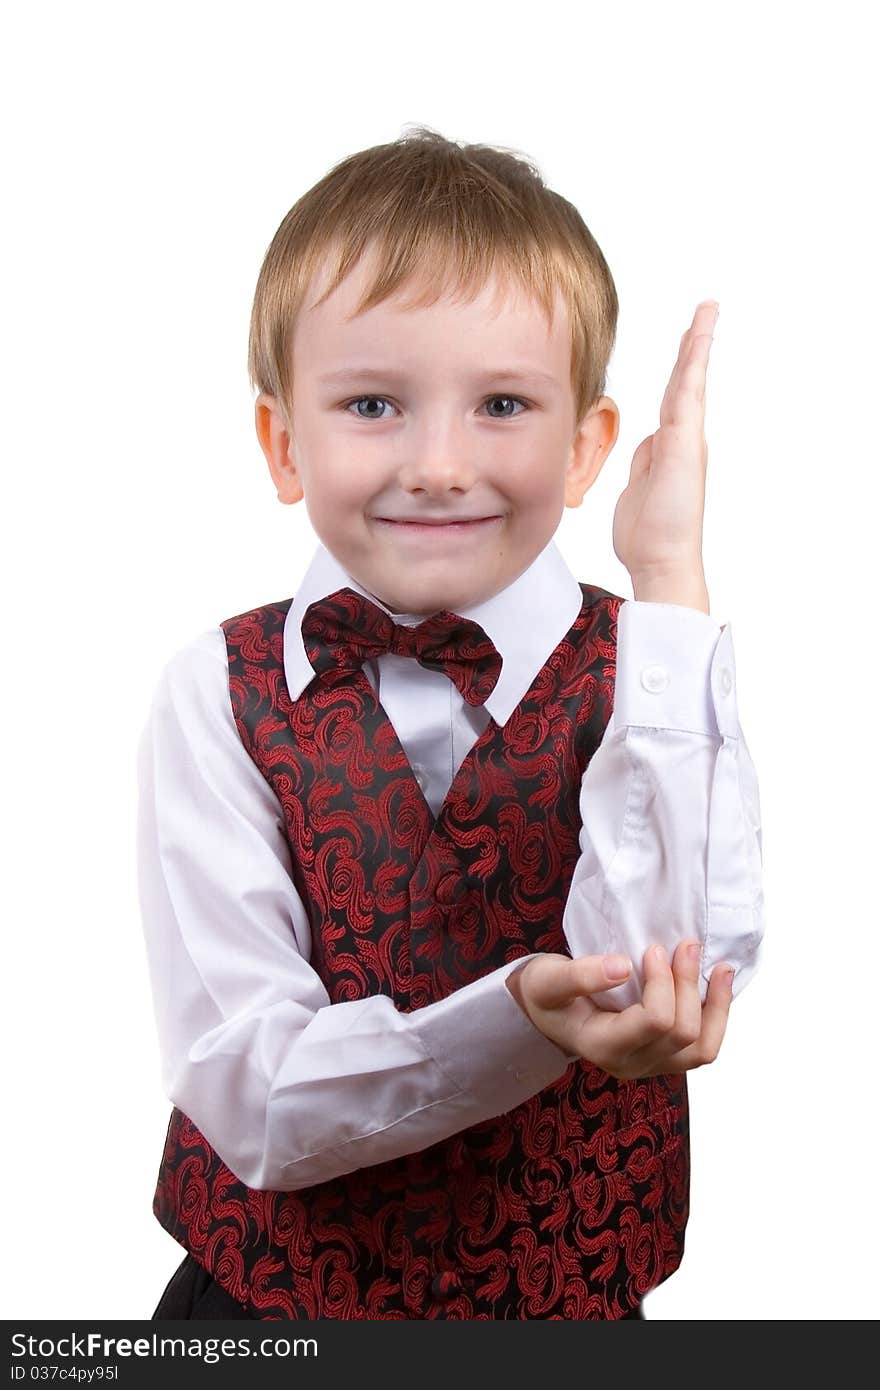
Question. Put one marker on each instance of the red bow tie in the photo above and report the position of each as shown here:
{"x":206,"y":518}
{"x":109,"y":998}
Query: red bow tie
{"x":342,"y":630}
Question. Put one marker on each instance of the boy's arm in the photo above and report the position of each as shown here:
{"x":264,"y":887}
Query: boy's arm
{"x":288,"y":1088}
{"x":671,"y":833}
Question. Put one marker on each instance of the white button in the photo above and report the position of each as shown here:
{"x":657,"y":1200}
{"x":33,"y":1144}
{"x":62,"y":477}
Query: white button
{"x":726,"y":681}
{"x":655,"y":678}
{"x":420,"y":777}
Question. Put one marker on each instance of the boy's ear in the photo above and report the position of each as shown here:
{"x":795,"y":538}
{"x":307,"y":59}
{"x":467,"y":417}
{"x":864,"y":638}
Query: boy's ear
{"x":595,"y":438}
{"x":273,"y":433}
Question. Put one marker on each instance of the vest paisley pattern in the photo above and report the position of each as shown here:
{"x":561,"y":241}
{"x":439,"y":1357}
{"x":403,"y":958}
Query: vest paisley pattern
{"x":573,"y":1204}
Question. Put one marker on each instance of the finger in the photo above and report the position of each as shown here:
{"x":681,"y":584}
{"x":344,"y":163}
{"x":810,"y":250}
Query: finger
{"x":629,"y":1030}
{"x":654,"y":1061}
{"x":684,"y":346}
{"x":687,"y":384}
{"x":716,"y":1012}
{"x":683,"y":406}
{"x":688,"y":1005}
{"x":658,"y":995}
{"x":691,"y":382}
{"x":687,"y":1024}
{"x":559,"y":981}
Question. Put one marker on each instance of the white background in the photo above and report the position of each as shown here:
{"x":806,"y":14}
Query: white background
{"x":715,"y":152}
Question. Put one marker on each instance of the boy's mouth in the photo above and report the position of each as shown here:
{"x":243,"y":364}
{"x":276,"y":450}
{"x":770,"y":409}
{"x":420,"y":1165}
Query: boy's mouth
{"x":426,"y":529}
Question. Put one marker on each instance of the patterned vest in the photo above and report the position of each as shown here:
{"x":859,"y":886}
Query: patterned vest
{"x":573,"y":1204}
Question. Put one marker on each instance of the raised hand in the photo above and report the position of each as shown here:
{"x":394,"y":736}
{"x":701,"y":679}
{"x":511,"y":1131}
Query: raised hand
{"x":658,"y":521}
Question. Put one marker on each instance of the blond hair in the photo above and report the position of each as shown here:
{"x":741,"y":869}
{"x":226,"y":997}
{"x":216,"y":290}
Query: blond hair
{"x":450,"y":215}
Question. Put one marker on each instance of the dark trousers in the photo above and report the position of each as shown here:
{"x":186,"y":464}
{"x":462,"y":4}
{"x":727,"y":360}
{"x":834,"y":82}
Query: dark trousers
{"x":192,"y":1292}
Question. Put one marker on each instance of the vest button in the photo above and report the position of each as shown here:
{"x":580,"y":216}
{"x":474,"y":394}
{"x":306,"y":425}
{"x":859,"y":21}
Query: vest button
{"x":445,"y":1285}
{"x":451,"y":887}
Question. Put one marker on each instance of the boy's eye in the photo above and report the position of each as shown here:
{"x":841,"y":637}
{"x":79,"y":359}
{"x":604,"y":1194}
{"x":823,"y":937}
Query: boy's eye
{"x":377,"y":400}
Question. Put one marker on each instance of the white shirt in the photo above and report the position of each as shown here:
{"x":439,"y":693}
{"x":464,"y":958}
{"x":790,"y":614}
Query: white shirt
{"x":292,"y":1090}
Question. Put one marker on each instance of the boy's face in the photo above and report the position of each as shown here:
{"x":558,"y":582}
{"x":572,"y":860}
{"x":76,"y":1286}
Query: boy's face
{"x":427,"y":425}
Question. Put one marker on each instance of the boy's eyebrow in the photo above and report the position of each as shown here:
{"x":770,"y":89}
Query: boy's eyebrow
{"x":393,"y":374}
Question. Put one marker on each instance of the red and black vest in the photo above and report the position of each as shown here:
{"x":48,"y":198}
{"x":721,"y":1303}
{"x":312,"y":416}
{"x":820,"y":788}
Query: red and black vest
{"x":573,"y":1204}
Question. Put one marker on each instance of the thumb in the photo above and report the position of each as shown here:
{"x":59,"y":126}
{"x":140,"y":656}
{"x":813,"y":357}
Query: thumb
{"x":561,"y":981}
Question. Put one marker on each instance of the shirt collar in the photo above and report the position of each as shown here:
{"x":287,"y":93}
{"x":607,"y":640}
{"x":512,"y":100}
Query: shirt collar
{"x":526,"y":621}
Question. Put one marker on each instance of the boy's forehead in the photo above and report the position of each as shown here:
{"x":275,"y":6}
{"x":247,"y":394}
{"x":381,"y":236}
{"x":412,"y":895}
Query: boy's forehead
{"x":500,"y":313}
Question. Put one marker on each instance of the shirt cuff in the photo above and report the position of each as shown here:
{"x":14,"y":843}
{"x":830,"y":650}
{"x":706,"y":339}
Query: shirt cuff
{"x":675,"y":670}
{"x":489,"y":1045}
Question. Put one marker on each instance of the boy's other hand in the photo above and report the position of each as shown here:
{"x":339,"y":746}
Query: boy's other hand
{"x":669,"y":1031}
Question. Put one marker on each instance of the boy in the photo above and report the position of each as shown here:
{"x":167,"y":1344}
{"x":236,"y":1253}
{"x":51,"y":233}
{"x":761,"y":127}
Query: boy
{"x":397,"y":831}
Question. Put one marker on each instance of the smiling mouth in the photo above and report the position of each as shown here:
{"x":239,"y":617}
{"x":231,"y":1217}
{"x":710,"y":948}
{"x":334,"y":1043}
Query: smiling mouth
{"x":436,"y":525}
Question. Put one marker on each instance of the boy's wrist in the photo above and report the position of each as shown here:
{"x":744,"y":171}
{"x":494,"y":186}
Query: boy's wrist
{"x":689,"y":590}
